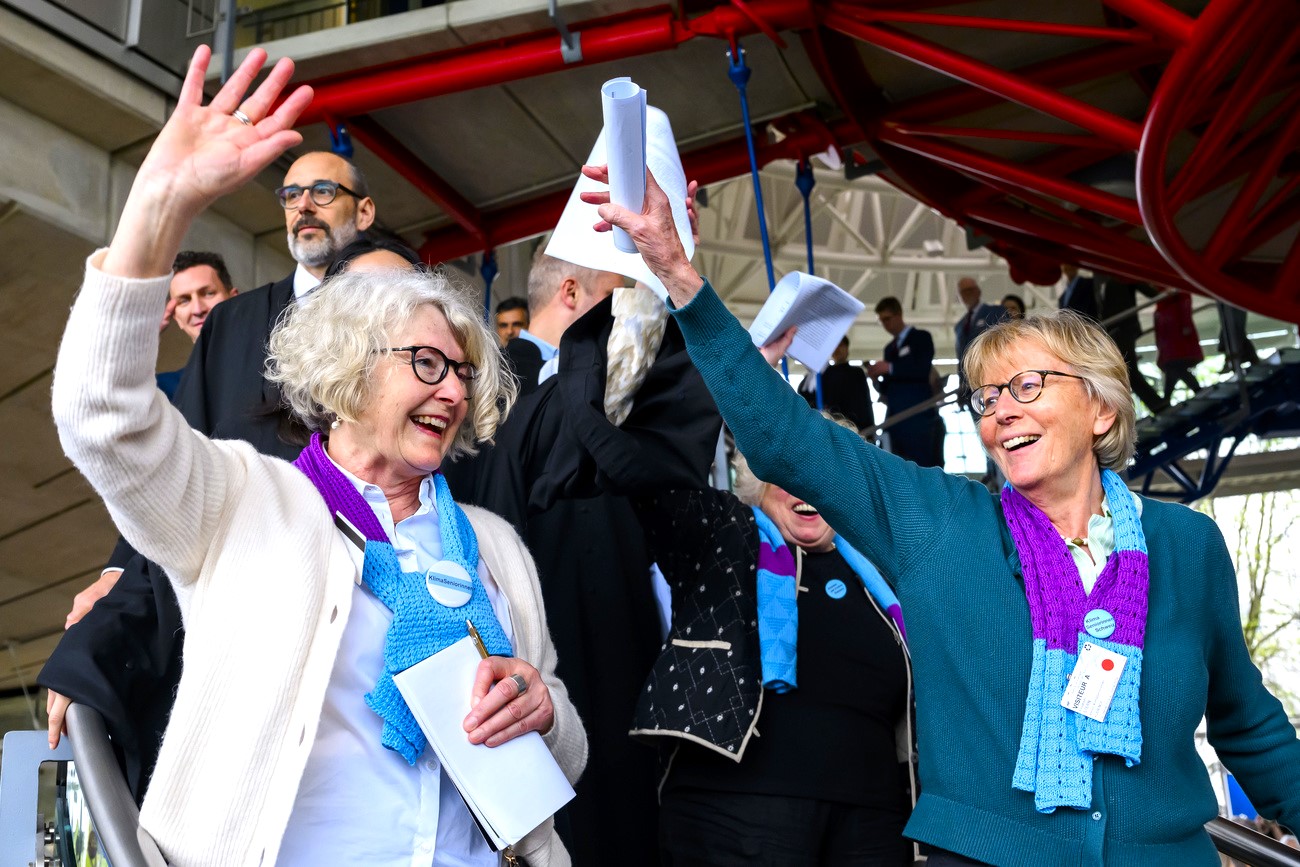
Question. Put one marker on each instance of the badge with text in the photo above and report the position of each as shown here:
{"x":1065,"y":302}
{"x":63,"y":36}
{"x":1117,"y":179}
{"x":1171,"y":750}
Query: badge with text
{"x":1092,"y":683}
{"x":449,"y":584}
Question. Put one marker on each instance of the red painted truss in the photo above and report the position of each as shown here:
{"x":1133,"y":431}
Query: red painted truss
{"x":1202,"y":190}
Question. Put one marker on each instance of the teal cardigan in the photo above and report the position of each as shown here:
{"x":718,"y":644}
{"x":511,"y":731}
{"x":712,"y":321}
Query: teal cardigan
{"x":941,"y":540}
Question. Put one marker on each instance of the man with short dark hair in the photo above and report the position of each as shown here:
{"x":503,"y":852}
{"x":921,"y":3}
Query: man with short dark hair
{"x":200,"y":281}
{"x":903,"y":380}
{"x":511,"y":318}
{"x":844,"y":390}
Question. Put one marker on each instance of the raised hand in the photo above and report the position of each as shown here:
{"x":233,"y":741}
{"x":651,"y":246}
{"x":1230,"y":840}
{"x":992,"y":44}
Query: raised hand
{"x":202,"y":153}
{"x":653,"y":231}
{"x":205,"y":151}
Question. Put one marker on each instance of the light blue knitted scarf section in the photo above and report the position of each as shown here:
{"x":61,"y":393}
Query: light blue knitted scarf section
{"x":778,"y":604}
{"x":421,"y":625}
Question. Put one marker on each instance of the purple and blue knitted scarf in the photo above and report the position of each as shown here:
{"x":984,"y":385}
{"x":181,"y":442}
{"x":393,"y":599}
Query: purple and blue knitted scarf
{"x":421,"y":625}
{"x":1057,"y":745}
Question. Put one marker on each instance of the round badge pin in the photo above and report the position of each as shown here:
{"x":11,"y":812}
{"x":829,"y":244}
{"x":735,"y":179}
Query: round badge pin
{"x":835,"y":588}
{"x":448,"y":583}
{"x":1099,"y":623}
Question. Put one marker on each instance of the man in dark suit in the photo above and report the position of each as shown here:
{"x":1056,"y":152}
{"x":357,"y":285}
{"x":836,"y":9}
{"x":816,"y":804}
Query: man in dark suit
{"x":903,"y":380}
{"x":1116,"y":299}
{"x":127,"y":646}
{"x":977,"y":319}
{"x":1080,"y":293}
{"x":844,"y":390}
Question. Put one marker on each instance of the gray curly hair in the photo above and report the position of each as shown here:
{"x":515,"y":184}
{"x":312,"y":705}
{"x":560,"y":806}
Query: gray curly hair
{"x":324,"y":349}
{"x":748,"y":487}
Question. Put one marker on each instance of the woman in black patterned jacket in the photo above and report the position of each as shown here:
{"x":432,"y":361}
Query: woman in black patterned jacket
{"x":782,"y":697}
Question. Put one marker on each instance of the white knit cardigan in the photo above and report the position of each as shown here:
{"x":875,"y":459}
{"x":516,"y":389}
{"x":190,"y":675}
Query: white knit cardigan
{"x":264,"y":582}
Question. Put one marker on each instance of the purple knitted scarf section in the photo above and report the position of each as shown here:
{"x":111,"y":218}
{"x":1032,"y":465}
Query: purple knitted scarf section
{"x":340,"y":495}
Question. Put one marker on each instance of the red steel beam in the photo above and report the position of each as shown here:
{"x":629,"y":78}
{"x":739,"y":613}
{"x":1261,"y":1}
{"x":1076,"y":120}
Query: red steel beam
{"x":1008,"y":85}
{"x":982,"y":165}
{"x":805,"y":135}
{"x":401,"y":159}
{"x":1064,"y":71}
{"x":1010,"y":25}
{"x":1160,"y":18}
{"x":1055,"y":138}
{"x":501,"y":62}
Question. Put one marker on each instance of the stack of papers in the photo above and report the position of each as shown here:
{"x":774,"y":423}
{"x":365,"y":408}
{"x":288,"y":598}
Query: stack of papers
{"x":511,"y":788}
{"x":822,"y":311}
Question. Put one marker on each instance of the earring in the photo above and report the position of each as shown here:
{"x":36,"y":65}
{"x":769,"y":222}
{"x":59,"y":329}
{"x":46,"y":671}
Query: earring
{"x":334,"y":425}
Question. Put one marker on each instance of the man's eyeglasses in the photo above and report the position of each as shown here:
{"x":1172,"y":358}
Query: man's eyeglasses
{"x":1026,"y":387}
{"x":321,"y":192}
{"x":431,"y":365}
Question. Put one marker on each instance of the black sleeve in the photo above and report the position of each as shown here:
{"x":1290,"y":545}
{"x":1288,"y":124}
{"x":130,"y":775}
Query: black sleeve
{"x":123,"y":659}
{"x":670,"y":435}
{"x":122,"y":554}
{"x":525,"y":359}
{"x":684,"y":527}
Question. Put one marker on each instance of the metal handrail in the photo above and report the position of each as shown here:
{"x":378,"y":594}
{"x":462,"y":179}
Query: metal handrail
{"x":116,"y":817}
{"x":1243,"y":844}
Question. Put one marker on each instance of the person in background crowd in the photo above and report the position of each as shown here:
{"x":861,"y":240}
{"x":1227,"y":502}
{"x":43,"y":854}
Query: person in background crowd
{"x":200,"y":281}
{"x":511,"y":318}
{"x":979,"y":317}
{"x":1233,"y":342}
{"x":1178,"y":346}
{"x":903,"y":380}
{"x":844,"y":390}
{"x":289,"y":742}
{"x":1116,"y":300}
{"x":1015,"y":306}
{"x":1067,"y":572}
{"x":1080,"y":293}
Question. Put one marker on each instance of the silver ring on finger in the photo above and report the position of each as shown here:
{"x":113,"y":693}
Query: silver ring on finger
{"x":241,"y":117}
{"x":520,"y":684}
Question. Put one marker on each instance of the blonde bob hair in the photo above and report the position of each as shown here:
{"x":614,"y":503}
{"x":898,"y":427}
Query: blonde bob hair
{"x":749,"y":488}
{"x":324,"y":349}
{"x":1084,"y":348}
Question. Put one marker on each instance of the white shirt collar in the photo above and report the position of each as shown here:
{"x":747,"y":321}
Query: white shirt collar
{"x":378,"y":503}
{"x":303,"y":282}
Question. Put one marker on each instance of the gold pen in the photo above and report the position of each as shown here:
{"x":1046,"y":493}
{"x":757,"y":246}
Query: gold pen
{"x":478,"y":640}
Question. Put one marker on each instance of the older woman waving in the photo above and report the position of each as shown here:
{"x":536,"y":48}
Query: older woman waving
{"x":1016,"y":604}
{"x":288,"y":742}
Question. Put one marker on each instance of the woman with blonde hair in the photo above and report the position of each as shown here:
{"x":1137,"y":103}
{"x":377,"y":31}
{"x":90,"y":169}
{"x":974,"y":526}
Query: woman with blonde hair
{"x":1068,"y":636}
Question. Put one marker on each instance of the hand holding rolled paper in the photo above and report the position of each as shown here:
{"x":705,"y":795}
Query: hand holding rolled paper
{"x":623,"y":104}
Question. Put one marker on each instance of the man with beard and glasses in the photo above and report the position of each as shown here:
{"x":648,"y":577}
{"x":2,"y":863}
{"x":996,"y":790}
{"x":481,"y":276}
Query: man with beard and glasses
{"x":223,"y":395}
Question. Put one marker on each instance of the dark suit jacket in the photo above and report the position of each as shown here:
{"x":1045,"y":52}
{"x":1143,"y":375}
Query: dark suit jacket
{"x":982,"y":318}
{"x":525,"y":359}
{"x":123,"y":658}
{"x":909,"y":382}
{"x":1080,"y":296}
{"x":1114,"y":296}
{"x":844,"y":391}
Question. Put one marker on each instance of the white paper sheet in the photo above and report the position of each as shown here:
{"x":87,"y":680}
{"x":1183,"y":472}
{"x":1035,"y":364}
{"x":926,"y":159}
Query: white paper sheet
{"x":623,"y":106}
{"x":511,"y":788}
{"x":823,"y":312}
{"x":575,"y":241}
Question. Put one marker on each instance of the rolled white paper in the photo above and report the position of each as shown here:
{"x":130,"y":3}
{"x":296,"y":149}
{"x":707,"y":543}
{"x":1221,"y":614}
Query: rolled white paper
{"x":575,"y":241}
{"x":623,"y":105}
